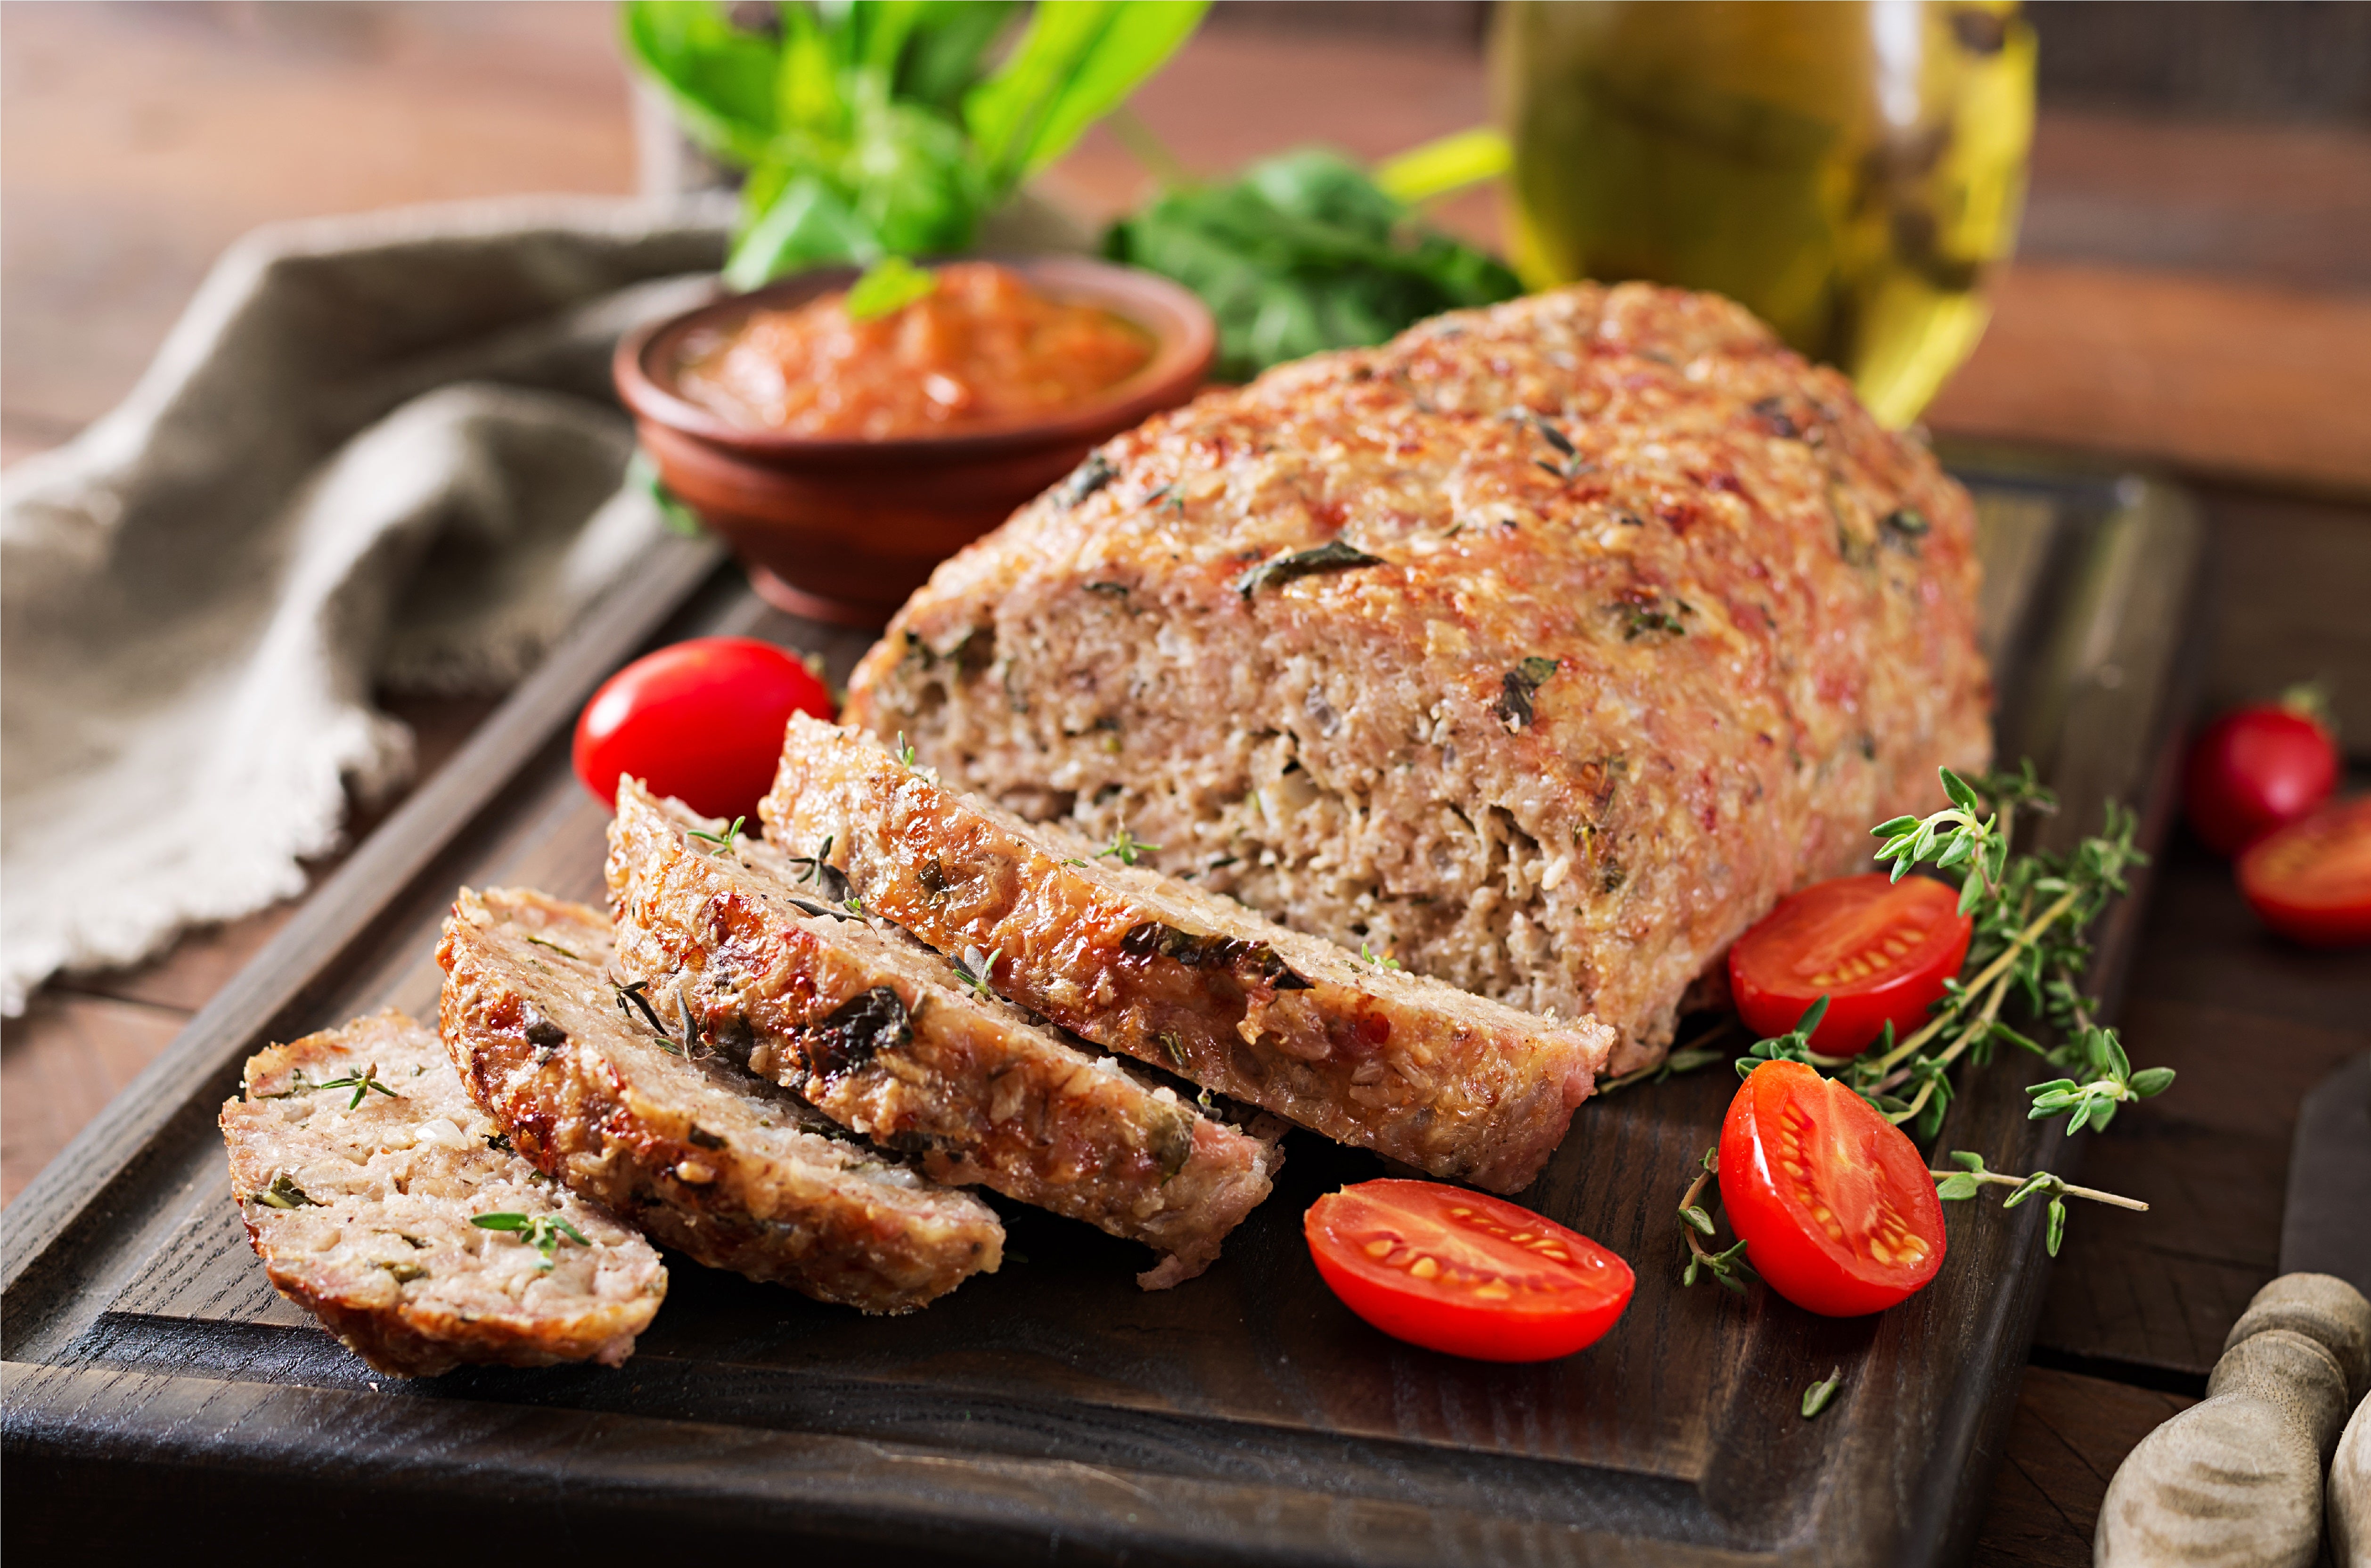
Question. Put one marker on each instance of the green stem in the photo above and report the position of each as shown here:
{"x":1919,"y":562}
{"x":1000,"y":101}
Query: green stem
{"x":1990,"y":972}
{"x":1994,"y":1178}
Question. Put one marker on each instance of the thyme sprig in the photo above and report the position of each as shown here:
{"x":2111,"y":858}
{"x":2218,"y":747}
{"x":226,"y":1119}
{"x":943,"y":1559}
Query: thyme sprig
{"x":362,"y":1083}
{"x":1380,"y":959}
{"x":637,"y":993}
{"x":975,"y":967}
{"x":727,"y":842}
{"x":2033,"y":914}
{"x":1126,"y":847}
{"x":1728,"y":1268}
{"x":1971,"y":1178}
{"x":543,"y":1232}
{"x":1697,"y":1051}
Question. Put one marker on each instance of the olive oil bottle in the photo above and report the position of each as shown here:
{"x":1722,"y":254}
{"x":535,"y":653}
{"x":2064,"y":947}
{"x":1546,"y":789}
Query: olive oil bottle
{"x":1848,"y":169}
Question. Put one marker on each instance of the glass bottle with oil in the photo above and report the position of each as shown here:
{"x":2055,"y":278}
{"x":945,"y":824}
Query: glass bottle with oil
{"x":1848,"y":169}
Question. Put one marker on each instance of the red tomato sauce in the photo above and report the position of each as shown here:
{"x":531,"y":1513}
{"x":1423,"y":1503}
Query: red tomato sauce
{"x":981,"y":348}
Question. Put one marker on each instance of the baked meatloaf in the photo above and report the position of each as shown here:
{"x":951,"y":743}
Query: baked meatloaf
{"x":884,"y":1036}
{"x":359,"y":1164}
{"x":592,"y":1084}
{"x":1542,"y":647}
{"x":1140,"y":963}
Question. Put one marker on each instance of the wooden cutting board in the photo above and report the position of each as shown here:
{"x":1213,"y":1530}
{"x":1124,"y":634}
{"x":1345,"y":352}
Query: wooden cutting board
{"x":158,"y":1396}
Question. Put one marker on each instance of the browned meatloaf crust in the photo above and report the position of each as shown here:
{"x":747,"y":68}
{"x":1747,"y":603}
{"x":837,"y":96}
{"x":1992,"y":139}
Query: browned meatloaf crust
{"x":1138,"y":962}
{"x":879,"y":1034}
{"x":360,"y":1211}
{"x":698,"y":1154}
{"x":1661,"y":622}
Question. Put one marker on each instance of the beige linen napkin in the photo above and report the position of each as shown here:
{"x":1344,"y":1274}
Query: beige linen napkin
{"x":375,"y":451}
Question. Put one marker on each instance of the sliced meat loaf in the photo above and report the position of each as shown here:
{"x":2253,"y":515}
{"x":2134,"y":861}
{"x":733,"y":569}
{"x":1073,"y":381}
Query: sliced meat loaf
{"x":584,"y":1077}
{"x":1142,"y":964}
{"x":1544,"y":647}
{"x":881,"y":1035}
{"x":359,"y":1163}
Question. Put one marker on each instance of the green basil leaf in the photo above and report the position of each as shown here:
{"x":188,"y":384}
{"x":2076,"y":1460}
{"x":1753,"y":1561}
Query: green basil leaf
{"x":809,"y":224}
{"x":892,"y":284}
{"x":720,"y":79}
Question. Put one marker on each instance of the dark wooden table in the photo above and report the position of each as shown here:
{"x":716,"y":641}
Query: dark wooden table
{"x":2199,"y":297}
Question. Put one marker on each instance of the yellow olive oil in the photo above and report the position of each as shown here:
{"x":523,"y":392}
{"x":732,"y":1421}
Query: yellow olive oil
{"x":1848,"y":169}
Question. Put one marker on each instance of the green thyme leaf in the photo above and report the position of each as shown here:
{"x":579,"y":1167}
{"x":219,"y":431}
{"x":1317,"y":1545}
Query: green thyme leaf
{"x":1816,"y":1397}
{"x":1333,"y":555}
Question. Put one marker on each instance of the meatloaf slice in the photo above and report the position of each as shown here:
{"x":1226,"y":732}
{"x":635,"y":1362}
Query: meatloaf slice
{"x":1138,"y":962}
{"x":701,"y":1155}
{"x":359,"y":1163}
{"x":881,"y":1035}
{"x":1542,"y":647}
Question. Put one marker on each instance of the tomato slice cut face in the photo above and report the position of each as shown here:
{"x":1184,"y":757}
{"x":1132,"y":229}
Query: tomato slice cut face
{"x":2311,"y":881}
{"x":1832,"y":1202}
{"x":1879,"y":950}
{"x":1457,"y":1271}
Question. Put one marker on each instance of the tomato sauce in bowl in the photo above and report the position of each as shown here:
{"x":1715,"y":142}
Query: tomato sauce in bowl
{"x":982,"y":349}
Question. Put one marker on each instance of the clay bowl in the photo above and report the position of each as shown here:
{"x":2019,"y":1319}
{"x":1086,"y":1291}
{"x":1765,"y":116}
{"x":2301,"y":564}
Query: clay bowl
{"x":843,"y":529}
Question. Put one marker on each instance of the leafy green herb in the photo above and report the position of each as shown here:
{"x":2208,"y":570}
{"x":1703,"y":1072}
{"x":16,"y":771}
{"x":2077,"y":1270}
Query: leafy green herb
{"x":1816,"y":1397}
{"x":725,"y":841}
{"x":878,"y":128}
{"x":975,"y":967}
{"x":1698,"y":1052}
{"x":1645,"y":620}
{"x":1728,"y":1268}
{"x":543,"y":1232}
{"x":285,"y":1193}
{"x":1971,"y":1176}
{"x":889,"y":285}
{"x":555,"y":947}
{"x":500,"y":1141}
{"x":637,"y":993}
{"x":1333,"y":555}
{"x":1303,"y":252}
{"x":1518,"y":687}
{"x":2032,"y":914}
{"x":1127,"y":848}
{"x":1380,"y":961}
{"x":362,"y":1083}
{"x":641,"y":474}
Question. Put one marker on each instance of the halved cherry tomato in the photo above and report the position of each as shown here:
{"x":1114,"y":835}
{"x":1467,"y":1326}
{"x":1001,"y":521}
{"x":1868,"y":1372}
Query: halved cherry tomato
{"x":1879,"y":950}
{"x":2311,"y":881}
{"x":2254,"y":769}
{"x":1834,"y":1205}
{"x":702,"y":720}
{"x":1457,"y":1271}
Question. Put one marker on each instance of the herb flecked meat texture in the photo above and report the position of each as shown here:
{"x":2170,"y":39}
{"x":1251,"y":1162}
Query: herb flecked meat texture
{"x":888,"y":1038}
{"x":1454,"y":1084}
{"x":592,"y":1084}
{"x":1544,"y":648}
{"x":361,"y":1169}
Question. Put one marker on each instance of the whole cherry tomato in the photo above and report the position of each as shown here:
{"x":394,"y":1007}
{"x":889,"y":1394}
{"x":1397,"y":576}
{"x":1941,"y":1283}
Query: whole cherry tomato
{"x":702,"y":720}
{"x":1835,"y":1209}
{"x":2258,"y":768}
{"x":2311,"y":881}
{"x":1471,"y":1276}
{"x":1878,"y":950}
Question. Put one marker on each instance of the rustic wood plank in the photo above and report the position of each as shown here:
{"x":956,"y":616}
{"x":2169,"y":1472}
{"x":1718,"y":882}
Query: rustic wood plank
{"x":2067,"y":1437}
{"x":1676,"y":1434}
